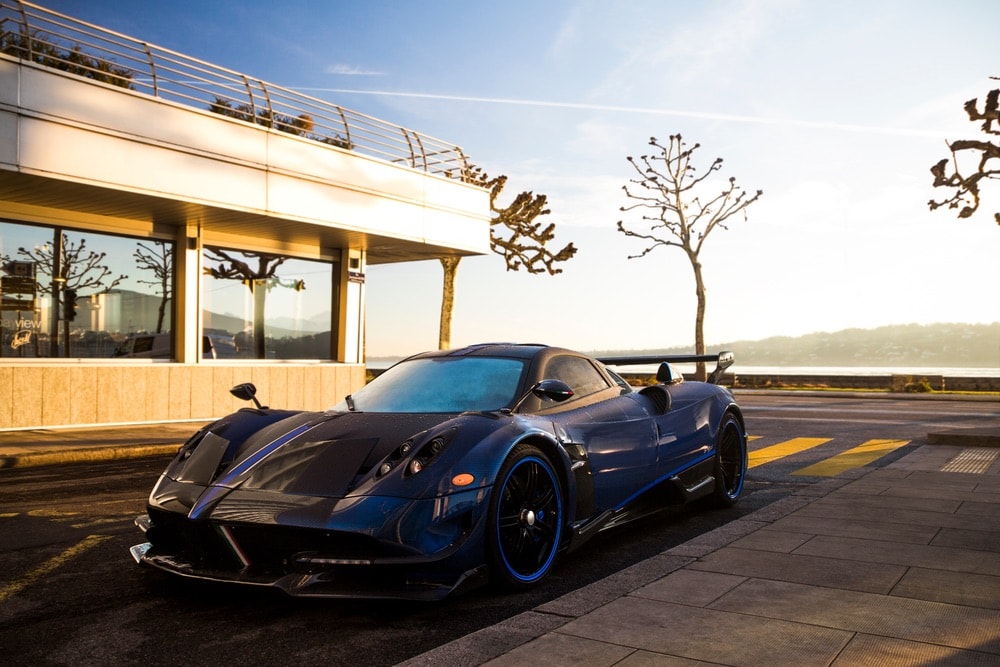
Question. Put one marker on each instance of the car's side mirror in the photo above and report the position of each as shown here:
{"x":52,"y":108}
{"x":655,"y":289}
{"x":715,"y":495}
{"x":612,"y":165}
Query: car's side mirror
{"x":555,"y":391}
{"x":247,"y":392}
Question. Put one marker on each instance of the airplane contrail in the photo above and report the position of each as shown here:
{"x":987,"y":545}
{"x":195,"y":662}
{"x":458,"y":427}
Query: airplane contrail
{"x":704,"y":115}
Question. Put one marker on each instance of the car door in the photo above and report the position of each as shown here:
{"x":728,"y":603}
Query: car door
{"x":683,"y":433}
{"x":617,"y":433}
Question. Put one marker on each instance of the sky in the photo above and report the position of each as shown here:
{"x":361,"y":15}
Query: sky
{"x":836,"y":111}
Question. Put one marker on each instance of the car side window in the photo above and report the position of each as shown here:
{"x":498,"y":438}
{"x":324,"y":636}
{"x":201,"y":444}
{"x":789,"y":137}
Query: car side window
{"x":578,"y":373}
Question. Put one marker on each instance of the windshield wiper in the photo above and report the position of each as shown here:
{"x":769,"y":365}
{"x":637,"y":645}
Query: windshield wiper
{"x":350,"y":402}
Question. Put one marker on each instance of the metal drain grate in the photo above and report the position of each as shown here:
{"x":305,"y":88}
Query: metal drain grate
{"x":974,"y":459}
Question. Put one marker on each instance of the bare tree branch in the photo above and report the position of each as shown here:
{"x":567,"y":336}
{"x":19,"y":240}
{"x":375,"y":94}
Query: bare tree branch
{"x":515,"y":234}
{"x":949,"y":172}
{"x":667,"y":193}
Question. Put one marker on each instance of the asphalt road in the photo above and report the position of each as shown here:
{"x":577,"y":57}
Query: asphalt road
{"x":70,"y":593}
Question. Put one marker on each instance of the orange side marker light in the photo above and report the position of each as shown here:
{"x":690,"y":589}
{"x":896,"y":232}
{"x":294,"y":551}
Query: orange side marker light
{"x":462,"y":479}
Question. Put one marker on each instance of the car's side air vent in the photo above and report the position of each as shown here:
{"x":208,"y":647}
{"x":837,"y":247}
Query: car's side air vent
{"x":659,"y":395}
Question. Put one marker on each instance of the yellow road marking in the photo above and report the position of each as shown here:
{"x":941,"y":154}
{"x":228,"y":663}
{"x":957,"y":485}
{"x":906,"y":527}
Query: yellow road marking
{"x":97,"y":522}
{"x":52,"y":513}
{"x":48,"y":566}
{"x":856,"y":457}
{"x":793,"y":446}
{"x":8,"y":515}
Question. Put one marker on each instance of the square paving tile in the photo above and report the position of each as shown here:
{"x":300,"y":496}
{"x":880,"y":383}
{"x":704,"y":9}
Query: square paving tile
{"x":867,"y":650}
{"x":979,"y":540}
{"x":979,"y":509}
{"x":925,"y":504}
{"x":853,"y":527}
{"x":556,"y":650}
{"x":691,"y":587}
{"x":974,"y":590}
{"x":714,"y":636}
{"x":769,"y":539}
{"x":649,"y":659}
{"x":916,"y":555}
{"x":938,"y":623}
{"x":812,"y":568}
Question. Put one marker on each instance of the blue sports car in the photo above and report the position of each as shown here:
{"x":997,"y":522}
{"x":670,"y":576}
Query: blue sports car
{"x":451,"y":469}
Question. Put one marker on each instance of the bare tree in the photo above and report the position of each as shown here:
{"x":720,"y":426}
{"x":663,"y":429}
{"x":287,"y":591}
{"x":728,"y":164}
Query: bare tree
{"x":72,"y":269}
{"x":949,"y":173}
{"x":667,"y":192}
{"x":514,"y":234}
{"x":159,"y":260}
{"x":259,"y":279}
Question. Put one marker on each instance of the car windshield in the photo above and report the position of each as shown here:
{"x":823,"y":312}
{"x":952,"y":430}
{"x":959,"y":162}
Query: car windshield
{"x":441,"y":384}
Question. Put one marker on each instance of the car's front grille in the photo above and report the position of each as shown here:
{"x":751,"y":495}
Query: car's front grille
{"x":260,"y":549}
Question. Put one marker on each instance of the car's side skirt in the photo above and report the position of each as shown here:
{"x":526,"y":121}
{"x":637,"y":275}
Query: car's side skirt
{"x":686,"y":486}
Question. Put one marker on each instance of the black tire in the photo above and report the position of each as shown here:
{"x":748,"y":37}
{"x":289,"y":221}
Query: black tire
{"x":730,"y":462}
{"x":525,"y":519}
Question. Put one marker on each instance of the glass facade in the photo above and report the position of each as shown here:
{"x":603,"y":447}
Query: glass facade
{"x":68,"y":293}
{"x":266,"y":306}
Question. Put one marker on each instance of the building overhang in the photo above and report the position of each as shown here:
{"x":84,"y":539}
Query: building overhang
{"x":37,"y":199}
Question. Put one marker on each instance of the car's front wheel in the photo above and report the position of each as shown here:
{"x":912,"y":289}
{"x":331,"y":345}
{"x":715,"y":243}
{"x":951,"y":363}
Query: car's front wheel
{"x":525,"y":518}
{"x":730,"y":462}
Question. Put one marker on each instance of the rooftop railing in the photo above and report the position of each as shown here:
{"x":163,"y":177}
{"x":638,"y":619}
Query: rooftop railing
{"x":33,"y":33}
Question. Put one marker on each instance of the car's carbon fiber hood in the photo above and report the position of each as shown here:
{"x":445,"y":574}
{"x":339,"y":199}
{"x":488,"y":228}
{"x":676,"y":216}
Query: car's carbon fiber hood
{"x":305,"y":454}
{"x":327,"y":456}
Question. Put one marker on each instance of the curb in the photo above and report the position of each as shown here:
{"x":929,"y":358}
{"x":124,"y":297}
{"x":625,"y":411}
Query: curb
{"x":87,"y":455}
{"x":966,"y":437}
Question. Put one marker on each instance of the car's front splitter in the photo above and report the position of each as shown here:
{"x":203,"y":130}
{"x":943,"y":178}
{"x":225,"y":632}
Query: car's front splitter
{"x":372,"y":581}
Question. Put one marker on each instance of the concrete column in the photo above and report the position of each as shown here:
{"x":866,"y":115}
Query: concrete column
{"x":187,"y":295}
{"x":351,"y":323}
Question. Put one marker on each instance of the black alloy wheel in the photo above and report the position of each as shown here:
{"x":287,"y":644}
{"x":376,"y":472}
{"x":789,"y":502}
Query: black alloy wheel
{"x":730,"y":462}
{"x":525,"y":520}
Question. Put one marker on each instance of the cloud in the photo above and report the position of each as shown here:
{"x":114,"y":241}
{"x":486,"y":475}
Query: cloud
{"x":351,"y":70}
{"x":703,"y":115}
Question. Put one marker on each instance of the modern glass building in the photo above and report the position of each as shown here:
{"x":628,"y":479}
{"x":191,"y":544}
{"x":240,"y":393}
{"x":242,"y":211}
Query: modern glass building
{"x":169,"y":228}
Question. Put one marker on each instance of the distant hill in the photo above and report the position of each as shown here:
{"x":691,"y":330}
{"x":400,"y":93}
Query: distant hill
{"x":911,"y":345}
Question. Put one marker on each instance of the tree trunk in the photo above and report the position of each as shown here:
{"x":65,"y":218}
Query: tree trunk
{"x":259,"y":294}
{"x":161,"y":314}
{"x":450,"y":266}
{"x":699,"y":319}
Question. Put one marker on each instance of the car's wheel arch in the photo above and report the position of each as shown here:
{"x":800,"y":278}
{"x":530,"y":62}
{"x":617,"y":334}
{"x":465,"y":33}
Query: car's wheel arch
{"x":556,"y":454}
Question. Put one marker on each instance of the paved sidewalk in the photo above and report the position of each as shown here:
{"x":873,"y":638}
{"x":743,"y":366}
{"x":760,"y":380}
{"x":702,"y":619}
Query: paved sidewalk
{"x":893,"y":566}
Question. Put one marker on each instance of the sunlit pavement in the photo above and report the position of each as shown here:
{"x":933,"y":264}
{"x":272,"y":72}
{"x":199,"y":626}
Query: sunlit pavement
{"x":35,"y":447}
{"x":894,"y":565}
{"x":897,"y":565}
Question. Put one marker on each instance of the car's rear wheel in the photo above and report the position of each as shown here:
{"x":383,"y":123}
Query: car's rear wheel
{"x":730,"y":462}
{"x":525,"y":520}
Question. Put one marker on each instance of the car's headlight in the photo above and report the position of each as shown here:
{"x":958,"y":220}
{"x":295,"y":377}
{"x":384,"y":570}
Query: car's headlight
{"x":416,"y":453}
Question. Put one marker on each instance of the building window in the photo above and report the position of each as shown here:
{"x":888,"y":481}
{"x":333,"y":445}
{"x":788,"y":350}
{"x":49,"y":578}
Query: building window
{"x":267,"y":306}
{"x":67,"y":293}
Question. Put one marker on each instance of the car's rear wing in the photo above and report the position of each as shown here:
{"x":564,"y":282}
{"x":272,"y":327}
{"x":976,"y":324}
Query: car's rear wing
{"x":723,"y":360}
